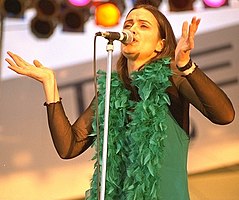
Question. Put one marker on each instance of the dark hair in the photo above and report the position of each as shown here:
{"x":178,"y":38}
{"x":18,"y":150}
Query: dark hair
{"x":166,"y":33}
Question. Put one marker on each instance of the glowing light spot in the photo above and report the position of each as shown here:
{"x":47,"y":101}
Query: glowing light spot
{"x":79,"y":2}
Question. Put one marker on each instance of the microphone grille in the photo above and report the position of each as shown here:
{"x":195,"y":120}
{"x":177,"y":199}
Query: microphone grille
{"x":129,"y":36}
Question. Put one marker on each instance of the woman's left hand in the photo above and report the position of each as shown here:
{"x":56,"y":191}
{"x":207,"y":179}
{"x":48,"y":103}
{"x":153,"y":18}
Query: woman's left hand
{"x":186,"y":42}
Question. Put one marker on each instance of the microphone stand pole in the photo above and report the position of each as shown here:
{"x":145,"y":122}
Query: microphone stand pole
{"x":109,"y":49}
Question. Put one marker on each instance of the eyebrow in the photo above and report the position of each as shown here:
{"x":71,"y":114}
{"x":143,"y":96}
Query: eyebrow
{"x":141,"y":20}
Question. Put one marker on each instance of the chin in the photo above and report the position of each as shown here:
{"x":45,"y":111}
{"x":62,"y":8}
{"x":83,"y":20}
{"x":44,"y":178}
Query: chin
{"x":129,"y":50}
{"x":131,"y":56}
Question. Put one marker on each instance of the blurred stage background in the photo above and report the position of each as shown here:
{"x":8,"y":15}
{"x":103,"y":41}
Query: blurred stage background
{"x":30,"y":168}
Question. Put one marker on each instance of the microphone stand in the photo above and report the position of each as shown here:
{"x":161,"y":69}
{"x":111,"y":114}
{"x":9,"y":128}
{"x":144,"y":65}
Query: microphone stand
{"x":109,"y":49}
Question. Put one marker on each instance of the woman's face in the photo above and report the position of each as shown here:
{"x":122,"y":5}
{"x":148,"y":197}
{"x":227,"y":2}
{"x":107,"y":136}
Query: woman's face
{"x":147,"y":41}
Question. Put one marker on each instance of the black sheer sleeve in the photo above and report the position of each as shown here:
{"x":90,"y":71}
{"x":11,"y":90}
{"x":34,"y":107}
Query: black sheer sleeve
{"x":70,"y":140}
{"x":206,"y":96}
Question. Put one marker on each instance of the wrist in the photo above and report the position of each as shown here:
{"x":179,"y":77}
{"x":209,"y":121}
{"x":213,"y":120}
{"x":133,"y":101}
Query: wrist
{"x":189,"y":70}
{"x":48,"y":78}
{"x":185,"y":67}
{"x":51,"y":90}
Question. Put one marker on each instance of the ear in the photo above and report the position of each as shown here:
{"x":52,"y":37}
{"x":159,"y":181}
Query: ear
{"x":160,"y":45}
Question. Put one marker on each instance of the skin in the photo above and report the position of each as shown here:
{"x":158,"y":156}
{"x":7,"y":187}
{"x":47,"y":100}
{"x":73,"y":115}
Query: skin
{"x":144,"y":27}
{"x":145,"y":45}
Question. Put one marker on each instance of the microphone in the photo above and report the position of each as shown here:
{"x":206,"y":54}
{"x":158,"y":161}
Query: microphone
{"x":125,"y":36}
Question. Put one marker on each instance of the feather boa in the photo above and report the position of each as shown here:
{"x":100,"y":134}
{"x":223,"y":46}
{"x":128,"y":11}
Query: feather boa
{"x":136,"y":133}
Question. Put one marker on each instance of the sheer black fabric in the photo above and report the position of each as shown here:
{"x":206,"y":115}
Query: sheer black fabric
{"x":196,"y":89}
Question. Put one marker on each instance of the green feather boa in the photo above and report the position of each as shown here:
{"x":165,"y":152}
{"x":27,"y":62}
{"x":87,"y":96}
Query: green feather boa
{"x":136,"y":133}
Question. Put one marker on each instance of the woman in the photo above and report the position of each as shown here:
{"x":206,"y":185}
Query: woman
{"x":149,"y":110}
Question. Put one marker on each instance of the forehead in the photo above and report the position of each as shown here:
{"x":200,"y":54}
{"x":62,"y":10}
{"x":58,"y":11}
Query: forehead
{"x":141,"y":14}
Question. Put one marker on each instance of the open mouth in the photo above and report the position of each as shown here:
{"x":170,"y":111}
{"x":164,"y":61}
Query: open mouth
{"x":134,"y":41}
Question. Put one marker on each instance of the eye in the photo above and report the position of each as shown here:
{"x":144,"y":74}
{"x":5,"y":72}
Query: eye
{"x":127,"y":26}
{"x":144,"y":26}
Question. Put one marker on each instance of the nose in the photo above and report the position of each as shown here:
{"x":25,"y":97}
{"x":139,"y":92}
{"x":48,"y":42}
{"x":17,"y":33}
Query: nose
{"x":133,"y":29}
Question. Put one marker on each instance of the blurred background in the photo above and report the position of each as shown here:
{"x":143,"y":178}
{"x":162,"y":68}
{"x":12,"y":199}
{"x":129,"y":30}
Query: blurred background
{"x":60,"y":34}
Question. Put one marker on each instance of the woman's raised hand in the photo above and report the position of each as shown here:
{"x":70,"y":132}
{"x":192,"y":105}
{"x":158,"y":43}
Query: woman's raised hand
{"x":186,"y":42}
{"x":36,"y":70}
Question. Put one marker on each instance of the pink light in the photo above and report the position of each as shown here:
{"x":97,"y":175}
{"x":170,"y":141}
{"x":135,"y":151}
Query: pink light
{"x":214,"y":3}
{"x":79,"y":2}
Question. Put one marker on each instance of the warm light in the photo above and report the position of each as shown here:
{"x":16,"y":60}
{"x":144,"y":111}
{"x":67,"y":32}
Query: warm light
{"x":107,"y":15}
{"x":79,"y":2}
{"x":215,"y":3}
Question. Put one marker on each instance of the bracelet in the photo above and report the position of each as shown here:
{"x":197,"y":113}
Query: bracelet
{"x":186,"y":67}
{"x":190,"y":70}
{"x":47,"y":104}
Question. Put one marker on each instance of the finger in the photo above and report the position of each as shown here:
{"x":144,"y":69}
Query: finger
{"x":196,"y":20}
{"x":37,"y":63}
{"x":15,"y":56}
{"x":185,"y":29}
{"x":11,"y":63}
{"x":192,"y":31}
{"x":17,"y":59}
{"x":191,"y":41}
{"x":193,"y":20}
{"x":195,"y":23}
{"x":14,"y":67}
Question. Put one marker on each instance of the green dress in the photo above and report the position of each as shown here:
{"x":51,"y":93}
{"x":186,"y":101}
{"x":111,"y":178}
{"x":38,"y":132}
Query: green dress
{"x":147,"y":149}
{"x":174,"y":181}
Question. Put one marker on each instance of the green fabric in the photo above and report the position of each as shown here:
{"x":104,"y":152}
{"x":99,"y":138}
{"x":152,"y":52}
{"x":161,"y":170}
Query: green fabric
{"x":147,"y":150}
{"x":173,"y":173}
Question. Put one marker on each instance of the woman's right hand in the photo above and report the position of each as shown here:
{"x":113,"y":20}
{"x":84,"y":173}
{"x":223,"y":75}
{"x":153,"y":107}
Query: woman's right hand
{"x":38,"y":72}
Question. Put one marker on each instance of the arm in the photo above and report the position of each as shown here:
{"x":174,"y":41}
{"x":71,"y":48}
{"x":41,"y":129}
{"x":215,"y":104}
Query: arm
{"x":206,"y":96}
{"x":196,"y":87}
{"x":69,"y":140}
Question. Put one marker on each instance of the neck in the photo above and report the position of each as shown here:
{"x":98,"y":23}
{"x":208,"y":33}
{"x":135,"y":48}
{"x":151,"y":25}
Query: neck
{"x":134,"y":65}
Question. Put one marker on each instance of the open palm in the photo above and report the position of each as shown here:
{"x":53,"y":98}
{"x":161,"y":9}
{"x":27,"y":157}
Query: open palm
{"x":186,"y":42}
{"x":36,"y":70}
